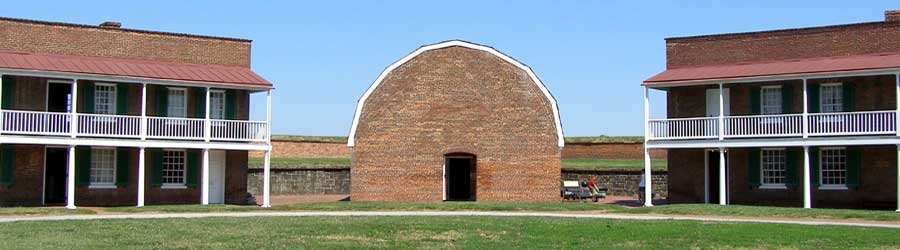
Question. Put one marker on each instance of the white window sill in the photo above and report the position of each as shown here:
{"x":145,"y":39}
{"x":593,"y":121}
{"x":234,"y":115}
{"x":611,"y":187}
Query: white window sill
{"x":833,"y":187}
{"x":173,"y":186}
{"x":773,"y":186}
{"x":102,"y":186}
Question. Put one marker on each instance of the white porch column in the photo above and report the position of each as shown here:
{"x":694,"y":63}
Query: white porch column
{"x":204,"y":193}
{"x":805,"y":110}
{"x":74,"y":128}
{"x":143,"y":117}
{"x":141,"y":175}
{"x":722,"y":183}
{"x":269,"y":118}
{"x":721,"y":112}
{"x":70,"y":179}
{"x":648,"y":185}
{"x":266,"y":169}
{"x":807,"y":181}
{"x":207,"y":127}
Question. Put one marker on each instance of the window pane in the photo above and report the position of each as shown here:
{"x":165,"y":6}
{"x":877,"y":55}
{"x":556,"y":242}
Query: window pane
{"x":217,"y":105}
{"x":177,"y":102}
{"x":773,"y":166}
{"x":103,"y":169}
{"x":833,"y":169}
{"x":832,"y":98}
{"x":771,"y":100}
{"x":105,"y":99}
{"x":173,"y":167}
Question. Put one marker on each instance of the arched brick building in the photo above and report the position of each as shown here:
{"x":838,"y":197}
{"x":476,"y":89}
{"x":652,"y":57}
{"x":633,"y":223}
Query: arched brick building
{"x":456,"y":121}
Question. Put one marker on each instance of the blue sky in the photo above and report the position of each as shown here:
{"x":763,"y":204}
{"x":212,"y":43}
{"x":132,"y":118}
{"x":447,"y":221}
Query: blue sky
{"x":322,"y":55}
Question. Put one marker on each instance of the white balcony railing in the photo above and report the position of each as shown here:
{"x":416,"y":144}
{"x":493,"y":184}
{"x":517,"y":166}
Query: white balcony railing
{"x":232,"y":130}
{"x":22,"y":122}
{"x":96,"y":125}
{"x":764,"y":126}
{"x":852,"y":123}
{"x":785,"y":125}
{"x":36,"y":122}
{"x":175,"y":128}
{"x":684,"y":128}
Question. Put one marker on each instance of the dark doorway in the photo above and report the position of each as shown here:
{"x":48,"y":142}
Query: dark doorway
{"x":55,"y":175}
{"x":460,"y":178}
{"x":59,"y":97}
{"x":712,"y":160}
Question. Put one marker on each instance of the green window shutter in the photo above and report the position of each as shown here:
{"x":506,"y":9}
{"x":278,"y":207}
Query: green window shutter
{"x":791,"y":163}
{"x":753,"y":165}
{"x":200,"y":103}
{"x":8,"y":87}
{"x":848,"y":97}
{"x":755,"y":100}
{"x":191,"y":171}
{"x":155,"y":167}
{"x":122,"y":99}
{"x":87,"y":99}
{"x":854,"y":156}
{"x":162,"y":101}
{"x":230,"y":102}
{"x":7,"y":164}
{"x":814,"y":166}
{"x":123,"y":164}
{"x":82,"y":166}
{"x":813,"y":93}
{"x":787,"y":99}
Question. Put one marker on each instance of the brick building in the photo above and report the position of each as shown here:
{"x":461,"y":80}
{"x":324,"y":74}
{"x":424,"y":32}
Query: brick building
{"x":104,"y":115}
{"x":799,"y":117}
{"x":456,"y":121}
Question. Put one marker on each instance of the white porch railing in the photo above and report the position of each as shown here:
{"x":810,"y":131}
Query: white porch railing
{"x":785,"y":125}
{"x":36,"y":122}
{"x":175,"y":128}
{"x":684,"y":128}
{"x":233,"y":130}
{"x":21,"y":122}
{"x":764,"y":126}
{"x":109,"y":125}
{"x":852,"y":123}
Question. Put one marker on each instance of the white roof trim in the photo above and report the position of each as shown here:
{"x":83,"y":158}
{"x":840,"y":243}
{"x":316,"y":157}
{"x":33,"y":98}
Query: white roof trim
{"x":359,"y":106}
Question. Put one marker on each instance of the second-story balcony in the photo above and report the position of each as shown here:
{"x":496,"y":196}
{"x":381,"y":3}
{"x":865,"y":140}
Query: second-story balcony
{"x":784,"y":125}
{"x":19,"y":122}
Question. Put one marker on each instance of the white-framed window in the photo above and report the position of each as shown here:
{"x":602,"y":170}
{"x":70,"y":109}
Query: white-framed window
{"x":833,"y":168}
{"x":773,"y":167}
{"x":177,"y":102}
{"x":105,"y":98}
{"x":770,"y":100}
{"x":831,"y":97}
{"x":103,"y":168}
{"x":174,"y":165}
{"x":217,"y":104}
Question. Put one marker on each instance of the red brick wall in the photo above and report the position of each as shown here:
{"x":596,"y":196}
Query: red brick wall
{"x":454,"y":100}
{"x":841,"y":40}
{"x":28,"y":183}
{"x":608,"y":151}
{"x":301,"y":149}
{"x":66,"y":39}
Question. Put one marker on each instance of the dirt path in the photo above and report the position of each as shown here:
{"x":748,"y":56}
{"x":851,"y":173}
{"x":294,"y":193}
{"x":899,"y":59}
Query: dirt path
{"x":437,"y":213}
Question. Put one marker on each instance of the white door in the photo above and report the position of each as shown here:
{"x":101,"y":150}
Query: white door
{"x":712,"y":102}
{"x":216,"y":177}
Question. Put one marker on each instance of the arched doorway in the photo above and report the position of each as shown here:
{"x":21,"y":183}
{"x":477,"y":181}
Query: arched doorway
{"x":459,"y":177}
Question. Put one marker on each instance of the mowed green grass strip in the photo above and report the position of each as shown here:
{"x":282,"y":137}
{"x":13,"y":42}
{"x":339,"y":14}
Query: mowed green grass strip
{"x":432,"y":233}
{"x":40,"y":211}
{"x":587,"y":164}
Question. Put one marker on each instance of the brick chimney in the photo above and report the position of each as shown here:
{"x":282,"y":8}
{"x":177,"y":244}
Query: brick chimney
{"x":116,"y":25}
{"x":892,"y":16}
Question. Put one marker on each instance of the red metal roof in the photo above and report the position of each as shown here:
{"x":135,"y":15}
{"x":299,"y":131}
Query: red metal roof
{"x":789,"y":67}
{"x":131,"y":68}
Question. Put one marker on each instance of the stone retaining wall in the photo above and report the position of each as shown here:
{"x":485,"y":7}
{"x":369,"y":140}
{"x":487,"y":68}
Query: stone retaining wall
{"x":337,"y":181}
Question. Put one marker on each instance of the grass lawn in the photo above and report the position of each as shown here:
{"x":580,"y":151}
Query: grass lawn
{"x":432,"y":232}
{"x":40,"y":211}
{"x":257,"y":162}
{"x":611,"y":164}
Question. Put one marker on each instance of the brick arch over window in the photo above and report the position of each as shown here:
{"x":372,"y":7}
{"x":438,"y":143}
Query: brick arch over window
{"x":359,"y":106}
